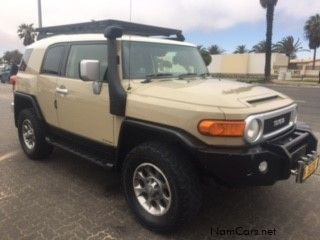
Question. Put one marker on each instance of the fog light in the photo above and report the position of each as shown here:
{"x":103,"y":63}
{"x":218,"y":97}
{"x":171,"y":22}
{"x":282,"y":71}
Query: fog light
{"x":263,"y":167}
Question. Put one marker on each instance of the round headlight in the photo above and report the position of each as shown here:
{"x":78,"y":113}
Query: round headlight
{"x":252,"y":131}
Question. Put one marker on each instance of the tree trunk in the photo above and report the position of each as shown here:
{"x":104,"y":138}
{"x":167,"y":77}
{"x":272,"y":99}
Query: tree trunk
{"x":267,"y":70}
{"x":314,"y":58}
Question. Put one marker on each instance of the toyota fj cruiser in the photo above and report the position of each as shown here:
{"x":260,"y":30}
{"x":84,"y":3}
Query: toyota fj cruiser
{"x":119,"y":95}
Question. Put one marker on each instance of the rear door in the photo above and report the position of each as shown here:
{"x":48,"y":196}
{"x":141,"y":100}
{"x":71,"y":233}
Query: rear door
{"x":80,"y":111}
{"x":47,"y":82}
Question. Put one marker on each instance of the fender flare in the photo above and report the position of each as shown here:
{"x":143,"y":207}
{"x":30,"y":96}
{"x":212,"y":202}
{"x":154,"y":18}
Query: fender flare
{"x":134,"y":132}
{"x":21,"y":101}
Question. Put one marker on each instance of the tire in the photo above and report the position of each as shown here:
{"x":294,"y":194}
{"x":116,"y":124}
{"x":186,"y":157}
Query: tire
{"x":183,"y":183}
{"x":40,"y":149}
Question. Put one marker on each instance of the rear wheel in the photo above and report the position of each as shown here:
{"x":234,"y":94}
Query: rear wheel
{"x":160,"y":186}
{"x":32,"y":135}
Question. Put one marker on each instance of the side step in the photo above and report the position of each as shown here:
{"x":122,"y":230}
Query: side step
{"x":103,"y":159}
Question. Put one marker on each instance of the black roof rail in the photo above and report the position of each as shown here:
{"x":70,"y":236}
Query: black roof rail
{"x":100,"y":27}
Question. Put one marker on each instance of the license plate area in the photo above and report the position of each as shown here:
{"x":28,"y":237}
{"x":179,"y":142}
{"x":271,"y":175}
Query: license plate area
{"x":310,"y":169}
{"x":307,"y":166}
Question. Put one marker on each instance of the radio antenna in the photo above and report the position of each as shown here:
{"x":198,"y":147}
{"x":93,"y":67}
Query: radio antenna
{"x":130,"y":10}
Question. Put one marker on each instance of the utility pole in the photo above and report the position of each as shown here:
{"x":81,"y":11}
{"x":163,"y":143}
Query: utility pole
{"x":39,"y":14}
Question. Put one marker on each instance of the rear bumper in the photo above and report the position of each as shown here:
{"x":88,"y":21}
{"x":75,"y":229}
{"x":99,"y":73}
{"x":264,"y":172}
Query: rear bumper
{"x":241,"y":166}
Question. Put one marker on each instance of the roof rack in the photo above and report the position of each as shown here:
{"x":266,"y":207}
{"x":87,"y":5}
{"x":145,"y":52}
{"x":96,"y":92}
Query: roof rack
{"x":100,"y":27}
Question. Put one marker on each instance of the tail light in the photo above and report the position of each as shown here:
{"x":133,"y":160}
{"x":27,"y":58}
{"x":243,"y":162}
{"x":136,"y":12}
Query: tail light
{"x":13,"y":81}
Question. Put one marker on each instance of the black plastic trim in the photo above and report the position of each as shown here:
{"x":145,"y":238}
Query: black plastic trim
{"x":134,"y":132}
{"x":117,"y":95}
{"x":20,"y":99}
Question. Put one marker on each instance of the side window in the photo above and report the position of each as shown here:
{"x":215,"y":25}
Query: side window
{"x":52,"y":60}
{"x":89,"y":52}
{"x":25,"y":60}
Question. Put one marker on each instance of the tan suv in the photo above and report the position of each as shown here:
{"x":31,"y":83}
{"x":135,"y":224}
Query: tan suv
{"x":119,"y":95}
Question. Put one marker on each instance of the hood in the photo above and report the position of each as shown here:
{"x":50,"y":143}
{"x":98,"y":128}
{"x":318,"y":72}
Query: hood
{"x":209,"y":92}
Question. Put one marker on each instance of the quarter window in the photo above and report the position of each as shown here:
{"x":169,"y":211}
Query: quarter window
{"x":25,"y":60}
{"x":52,"y":61}
{"x":87,"y":52}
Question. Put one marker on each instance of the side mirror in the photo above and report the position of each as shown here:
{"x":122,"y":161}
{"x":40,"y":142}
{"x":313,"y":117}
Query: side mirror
{"x":90,"y":70}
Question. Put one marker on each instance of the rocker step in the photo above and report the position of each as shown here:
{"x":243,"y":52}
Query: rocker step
{"x":102,"y":158}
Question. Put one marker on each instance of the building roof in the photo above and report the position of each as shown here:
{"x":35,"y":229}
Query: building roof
{"x":303,"y":61}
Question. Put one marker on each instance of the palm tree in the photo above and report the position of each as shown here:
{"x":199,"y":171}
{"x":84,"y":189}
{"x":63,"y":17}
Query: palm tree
{"x":312,"y":33}
{"x":269,"y":5}
{"x":27,"y":33}
{"x":205,"y":54}
{"x":241,"y":49}
{"x":289,"y":47}
{"x":261,"y":47}
{"x":215,"y":50}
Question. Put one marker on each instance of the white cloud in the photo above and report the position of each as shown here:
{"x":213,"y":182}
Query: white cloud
{"x":189,"y":15}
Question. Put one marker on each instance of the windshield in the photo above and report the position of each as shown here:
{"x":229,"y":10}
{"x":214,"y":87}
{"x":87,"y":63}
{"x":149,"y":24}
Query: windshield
{"x":143,"y":59}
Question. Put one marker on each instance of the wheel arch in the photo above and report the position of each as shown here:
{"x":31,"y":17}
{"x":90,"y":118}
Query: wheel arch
{"x":135,"y":132}
{"x":24,"y":101}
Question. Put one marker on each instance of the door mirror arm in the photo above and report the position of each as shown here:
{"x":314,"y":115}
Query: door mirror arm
{"x":97,"y":87}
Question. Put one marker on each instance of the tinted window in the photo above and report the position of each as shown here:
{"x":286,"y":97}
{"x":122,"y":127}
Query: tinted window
{"x":88,"y":52}
{"x":52,"y":60}
{"x":25,"y":60}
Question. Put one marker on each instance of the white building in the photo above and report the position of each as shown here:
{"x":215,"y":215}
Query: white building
{"x":247,"y":63}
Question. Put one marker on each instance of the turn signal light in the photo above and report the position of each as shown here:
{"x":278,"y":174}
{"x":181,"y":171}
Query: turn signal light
{"x":222,"y":128}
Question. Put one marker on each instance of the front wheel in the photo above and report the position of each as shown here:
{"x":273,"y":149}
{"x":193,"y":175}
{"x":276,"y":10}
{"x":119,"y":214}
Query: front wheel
{"x":160,"y":186}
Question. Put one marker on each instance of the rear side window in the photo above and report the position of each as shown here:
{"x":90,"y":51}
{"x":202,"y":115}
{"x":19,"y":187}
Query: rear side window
{"x":25,"y":60}
{"x":52,"y":60}
{"x":87,"y":52}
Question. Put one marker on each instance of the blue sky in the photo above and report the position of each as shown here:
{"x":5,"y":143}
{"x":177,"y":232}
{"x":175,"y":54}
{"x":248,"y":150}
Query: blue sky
{"x":227,"y":23}
{"x":250,"y":34}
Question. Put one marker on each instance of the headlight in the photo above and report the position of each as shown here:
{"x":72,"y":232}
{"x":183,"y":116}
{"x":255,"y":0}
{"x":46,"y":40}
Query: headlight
{"x":253,"y":130}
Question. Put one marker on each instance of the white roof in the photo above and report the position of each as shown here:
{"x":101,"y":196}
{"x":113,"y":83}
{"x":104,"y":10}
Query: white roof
{"x":44,"y":43}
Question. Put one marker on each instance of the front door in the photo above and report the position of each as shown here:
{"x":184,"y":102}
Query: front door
{"x":80,"y":111}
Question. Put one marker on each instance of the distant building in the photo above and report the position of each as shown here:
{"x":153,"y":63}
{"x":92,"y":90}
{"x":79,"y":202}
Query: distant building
{"x":247,"y":63}
{"x":303,"y":67}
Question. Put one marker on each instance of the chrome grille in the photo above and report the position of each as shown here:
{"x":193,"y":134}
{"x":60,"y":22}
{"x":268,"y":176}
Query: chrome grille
{"x":276,"y":123}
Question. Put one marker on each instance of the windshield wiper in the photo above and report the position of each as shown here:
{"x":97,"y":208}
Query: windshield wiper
{"x":182,"y":76}
{"x":203,"y":75}
{"x":156,"y":75}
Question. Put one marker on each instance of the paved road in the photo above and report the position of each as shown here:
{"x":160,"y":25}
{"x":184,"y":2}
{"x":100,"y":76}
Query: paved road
{"x":66,"y":197}
{"x":309,"y":103}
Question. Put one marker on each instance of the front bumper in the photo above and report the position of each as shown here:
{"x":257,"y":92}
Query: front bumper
{"x":285,"y":155}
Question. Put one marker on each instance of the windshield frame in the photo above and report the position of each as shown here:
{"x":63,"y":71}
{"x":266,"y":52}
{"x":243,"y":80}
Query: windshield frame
{"x":123,"y":60}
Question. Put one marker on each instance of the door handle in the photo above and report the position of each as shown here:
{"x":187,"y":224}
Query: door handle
{"x":62,"y":90}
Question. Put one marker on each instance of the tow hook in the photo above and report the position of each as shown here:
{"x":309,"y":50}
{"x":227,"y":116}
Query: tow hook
{"x":307,"y":165}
